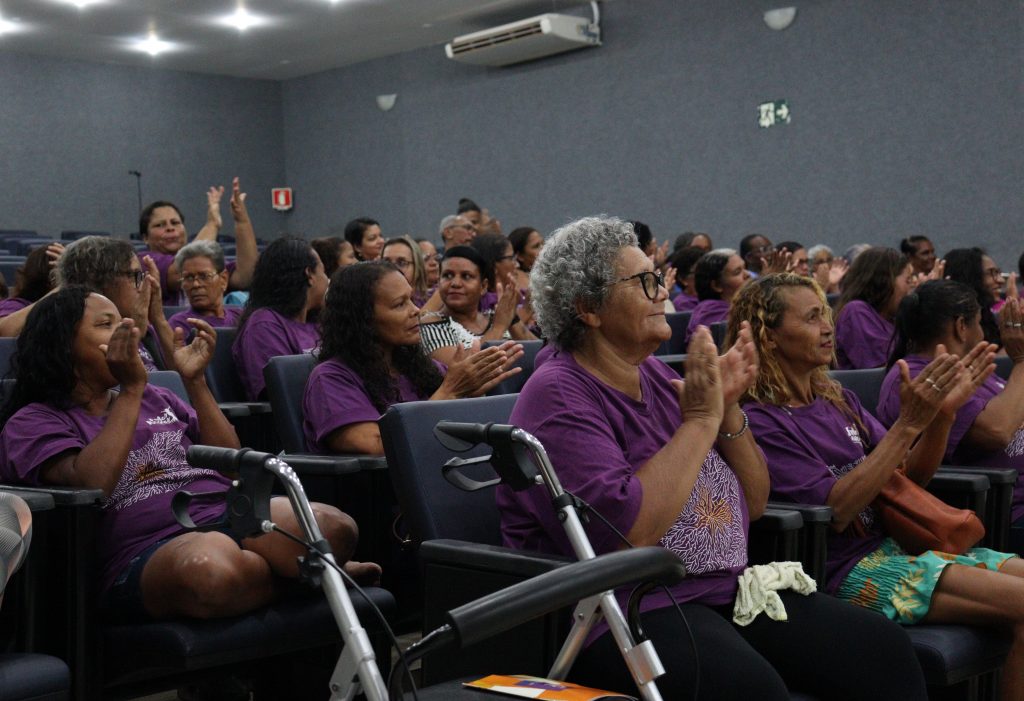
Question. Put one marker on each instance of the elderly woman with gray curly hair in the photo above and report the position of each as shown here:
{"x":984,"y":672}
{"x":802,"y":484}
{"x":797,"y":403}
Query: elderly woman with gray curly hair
{"x":672,"y":463}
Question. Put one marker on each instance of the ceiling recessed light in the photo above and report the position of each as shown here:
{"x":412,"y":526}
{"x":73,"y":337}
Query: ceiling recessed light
{"x":152,"y":45}
{"x":241,"y":20}
{"x":9,"y":27}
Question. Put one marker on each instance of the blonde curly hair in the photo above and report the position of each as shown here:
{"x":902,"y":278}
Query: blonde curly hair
{"x":763,"y":302}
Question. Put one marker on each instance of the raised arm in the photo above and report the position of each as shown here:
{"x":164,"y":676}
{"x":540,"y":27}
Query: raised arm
{"x":213,"y":218}
{"x":736,"y":444}
{"x":920,"y":400}
{"x":151,"y":299}
{"x":669,"y":475}
{"x":995,"y":426}
{"x":246,"y":252}
{"x":99,"y":464}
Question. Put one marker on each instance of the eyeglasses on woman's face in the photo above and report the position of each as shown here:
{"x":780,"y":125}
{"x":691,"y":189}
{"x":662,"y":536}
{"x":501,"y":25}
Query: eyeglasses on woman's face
{"x":137,"y":277}
{"x":649,"y":282}
{"x":198,"y":278}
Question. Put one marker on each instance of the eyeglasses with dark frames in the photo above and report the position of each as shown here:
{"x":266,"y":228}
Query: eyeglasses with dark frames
{"x":137,"y":276}
{"x":649,"y":282}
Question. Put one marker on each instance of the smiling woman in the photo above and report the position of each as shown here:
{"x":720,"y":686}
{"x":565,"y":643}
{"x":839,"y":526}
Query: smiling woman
{"x":370,"y":358}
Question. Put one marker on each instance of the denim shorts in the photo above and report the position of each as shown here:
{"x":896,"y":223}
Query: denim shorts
{"x":123,"y":601}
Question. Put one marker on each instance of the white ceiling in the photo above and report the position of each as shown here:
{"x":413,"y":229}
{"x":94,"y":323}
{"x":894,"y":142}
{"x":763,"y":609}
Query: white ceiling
{"x":300,"y":36}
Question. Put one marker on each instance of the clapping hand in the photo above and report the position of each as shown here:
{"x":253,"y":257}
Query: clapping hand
{"x":192,"y":359}
{"x":700,"y":394}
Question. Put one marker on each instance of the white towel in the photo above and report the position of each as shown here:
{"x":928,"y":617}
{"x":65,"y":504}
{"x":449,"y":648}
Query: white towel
{"x":758,"y":586}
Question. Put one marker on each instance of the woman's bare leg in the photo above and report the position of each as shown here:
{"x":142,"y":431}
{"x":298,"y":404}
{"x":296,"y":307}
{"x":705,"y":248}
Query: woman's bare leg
{"x":205,"y":575}
{"x":986,"y":597}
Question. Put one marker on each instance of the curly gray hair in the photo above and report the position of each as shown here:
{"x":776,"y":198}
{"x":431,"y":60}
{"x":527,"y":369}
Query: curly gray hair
{"x":201,"y":249}
{"x":95,"y":262}
{"x":575,"y":268}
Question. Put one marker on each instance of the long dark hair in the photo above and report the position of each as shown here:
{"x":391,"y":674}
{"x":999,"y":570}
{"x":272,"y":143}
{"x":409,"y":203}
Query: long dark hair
{"x":34,"y":277}
{"x":922,"y":315}
{"x":43,"y":367}
{"x":872,"y":278}
{"x":348,"y":333}
{"x":490,"y":246}
{"x":279,"y":281}
{"x":966,"y":265}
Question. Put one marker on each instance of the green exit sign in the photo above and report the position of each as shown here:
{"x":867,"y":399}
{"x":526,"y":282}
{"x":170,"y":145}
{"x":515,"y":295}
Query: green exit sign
{"x":770,"y":114}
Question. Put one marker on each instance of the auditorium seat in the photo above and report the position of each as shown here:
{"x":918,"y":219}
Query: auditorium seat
{"x":677,"y":321}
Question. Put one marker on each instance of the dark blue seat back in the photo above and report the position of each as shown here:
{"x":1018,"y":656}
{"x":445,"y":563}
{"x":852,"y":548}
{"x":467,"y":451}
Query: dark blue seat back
{"x":677,"y":321}
{"x":513,"y":384}
{"x":221,"y":375}
{"x":1004,"y":365}
{"x":286,"y":377}
{"x":433,"y":508}
{"x":170,"y":379}
{"x":866,"y":384}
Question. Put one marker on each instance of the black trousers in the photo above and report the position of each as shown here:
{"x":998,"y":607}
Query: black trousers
{"x":828,"y":648}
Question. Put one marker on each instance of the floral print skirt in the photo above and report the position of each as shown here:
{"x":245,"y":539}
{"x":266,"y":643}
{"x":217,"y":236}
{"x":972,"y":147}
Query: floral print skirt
{"x":899,"y":585}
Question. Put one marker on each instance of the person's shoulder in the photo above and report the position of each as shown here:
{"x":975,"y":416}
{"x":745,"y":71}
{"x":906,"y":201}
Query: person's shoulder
{"x":334,"y":369}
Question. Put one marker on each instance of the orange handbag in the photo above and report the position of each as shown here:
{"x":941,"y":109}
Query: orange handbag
{"x":918,"y":520}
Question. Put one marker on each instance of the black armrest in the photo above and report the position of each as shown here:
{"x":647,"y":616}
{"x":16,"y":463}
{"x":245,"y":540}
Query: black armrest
{"x":36,"y":501}
{"x":234,"y":410}
{"x":998,"y":505}
{"x":491,"y":558}
{"x":964,"y":491}
{"x":256,"y":408}
{"x":315,"y":464}
{"x":63,"y":496}
{"x":775,"y":536}
{"x":812,"y":539}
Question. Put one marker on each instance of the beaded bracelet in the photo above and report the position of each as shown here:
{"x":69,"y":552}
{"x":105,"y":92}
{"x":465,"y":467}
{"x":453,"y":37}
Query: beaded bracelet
{"x":732,"y":436}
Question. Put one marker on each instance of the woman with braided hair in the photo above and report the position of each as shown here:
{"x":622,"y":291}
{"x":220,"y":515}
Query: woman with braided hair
{"x":823,"y":447}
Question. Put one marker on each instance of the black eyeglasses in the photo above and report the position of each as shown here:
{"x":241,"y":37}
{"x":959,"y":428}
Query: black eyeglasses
{"x":137,"y":275}
{"x":649,"y":282}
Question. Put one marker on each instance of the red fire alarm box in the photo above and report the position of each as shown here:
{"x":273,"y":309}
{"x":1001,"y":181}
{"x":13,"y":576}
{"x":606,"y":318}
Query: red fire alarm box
{"x":282,"y":198}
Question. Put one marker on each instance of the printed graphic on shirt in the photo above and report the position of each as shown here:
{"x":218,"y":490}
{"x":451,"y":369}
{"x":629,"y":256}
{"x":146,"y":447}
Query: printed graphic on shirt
{"x":709,"y":534}
{"x":166,"y":417}
{"x":853,"y":434}
{"x":867,"y":516}
{"x":157,"y":467}
{"x":1015,"y":448}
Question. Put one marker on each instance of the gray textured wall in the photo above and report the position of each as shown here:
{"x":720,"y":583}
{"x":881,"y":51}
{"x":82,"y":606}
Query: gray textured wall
{"x":70,"y":132}
{"x":906,"y":119}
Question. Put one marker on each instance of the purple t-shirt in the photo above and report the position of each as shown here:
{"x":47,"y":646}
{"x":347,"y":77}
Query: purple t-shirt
{"x":706,"y":313}
{"x":958,"y":450}
{"x":138,"y":511}
{"x":864,"y":338}
{"x":12,"y":304}
{"x":335,"y":396}
{"x":684,"y":302}
{"x":231,"y":316}
{"x":266,"y":334}
{"x":597,"y":438}
{"x":808,"y":450}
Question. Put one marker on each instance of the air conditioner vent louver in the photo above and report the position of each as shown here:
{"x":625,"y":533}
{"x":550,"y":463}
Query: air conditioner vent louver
{"x":494,"y":40}
{"x":525,"y":40}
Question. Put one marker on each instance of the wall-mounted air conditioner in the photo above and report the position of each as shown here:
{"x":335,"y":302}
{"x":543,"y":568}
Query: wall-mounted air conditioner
{"x":525,"y":40}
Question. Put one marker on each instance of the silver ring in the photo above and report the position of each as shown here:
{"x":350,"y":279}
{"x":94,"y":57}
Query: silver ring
{"x":930,"y":381}
{"x":1016,"y":325}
